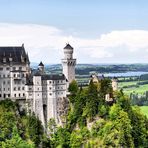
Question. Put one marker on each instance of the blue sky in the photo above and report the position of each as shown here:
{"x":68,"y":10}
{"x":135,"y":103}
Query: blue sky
{"x":89,"y":25}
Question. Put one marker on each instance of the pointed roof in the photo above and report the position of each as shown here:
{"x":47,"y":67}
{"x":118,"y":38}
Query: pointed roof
{"x":41,"y":64}
{"x":68,"y":46}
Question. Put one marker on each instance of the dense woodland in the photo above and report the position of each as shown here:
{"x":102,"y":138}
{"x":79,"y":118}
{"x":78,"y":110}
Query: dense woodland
{"x":91,"y":122}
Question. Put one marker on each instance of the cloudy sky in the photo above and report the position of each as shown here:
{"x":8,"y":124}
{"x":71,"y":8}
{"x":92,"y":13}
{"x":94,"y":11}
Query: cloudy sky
{"x":101,"y":31}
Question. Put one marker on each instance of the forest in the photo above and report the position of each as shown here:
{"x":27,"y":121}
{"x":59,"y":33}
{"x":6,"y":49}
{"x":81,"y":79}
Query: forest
{"x":91,"y":122}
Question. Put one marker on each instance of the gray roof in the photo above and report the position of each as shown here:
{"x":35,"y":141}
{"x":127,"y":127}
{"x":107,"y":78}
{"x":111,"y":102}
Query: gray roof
{"x":68,"y":46}
{"x":101,"y":77}
{"x":41,"y":64}
{"x":46,"y":77}
{"x":15,"y":52}
{"x":53,"y":77}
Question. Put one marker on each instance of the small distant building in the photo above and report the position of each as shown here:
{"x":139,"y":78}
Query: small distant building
{"x":97,"y":78}
{"x":115,"y":84}
{"x":109,"y":98}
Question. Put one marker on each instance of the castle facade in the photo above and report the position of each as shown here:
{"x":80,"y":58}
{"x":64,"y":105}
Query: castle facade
{"x":41,"y":93}
{"x":14,"y":70}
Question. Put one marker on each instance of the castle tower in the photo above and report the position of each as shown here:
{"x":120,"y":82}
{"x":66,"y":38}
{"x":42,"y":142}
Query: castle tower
{"x":115,"y":84}
{"x":68,"y":63}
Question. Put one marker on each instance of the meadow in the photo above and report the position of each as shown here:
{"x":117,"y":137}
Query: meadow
{"x":133,"y":87}
{"x":144,"y":110}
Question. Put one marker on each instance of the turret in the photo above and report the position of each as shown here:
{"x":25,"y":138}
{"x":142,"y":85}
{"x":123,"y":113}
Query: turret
{"x":68,"y":51}
{"x":41,"y":68}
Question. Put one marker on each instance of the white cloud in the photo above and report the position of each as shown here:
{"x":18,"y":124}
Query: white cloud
{"x":46,"y":43}
{"x":133,"y":39}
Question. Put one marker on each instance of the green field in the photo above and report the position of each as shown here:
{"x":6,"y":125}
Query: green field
{"x":122,"y":84}
{"x":144,"y":110}
{"x":140,"y":89}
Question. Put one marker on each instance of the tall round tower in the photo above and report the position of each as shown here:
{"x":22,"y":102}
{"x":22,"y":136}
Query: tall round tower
{"x":68,"y":63}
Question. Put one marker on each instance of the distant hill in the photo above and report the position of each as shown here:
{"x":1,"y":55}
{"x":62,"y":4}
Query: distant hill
{"x":86,"y":69}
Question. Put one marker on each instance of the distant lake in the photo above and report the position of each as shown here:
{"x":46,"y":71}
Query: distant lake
{"x":126,"y":74}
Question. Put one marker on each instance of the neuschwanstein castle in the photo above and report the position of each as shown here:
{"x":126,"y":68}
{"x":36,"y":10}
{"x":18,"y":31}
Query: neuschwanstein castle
{"x":38,"y":92}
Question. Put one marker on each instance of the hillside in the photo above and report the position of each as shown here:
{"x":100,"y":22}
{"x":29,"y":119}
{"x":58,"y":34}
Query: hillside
{"x":18,"y":130}
{"x":90,"y":123}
